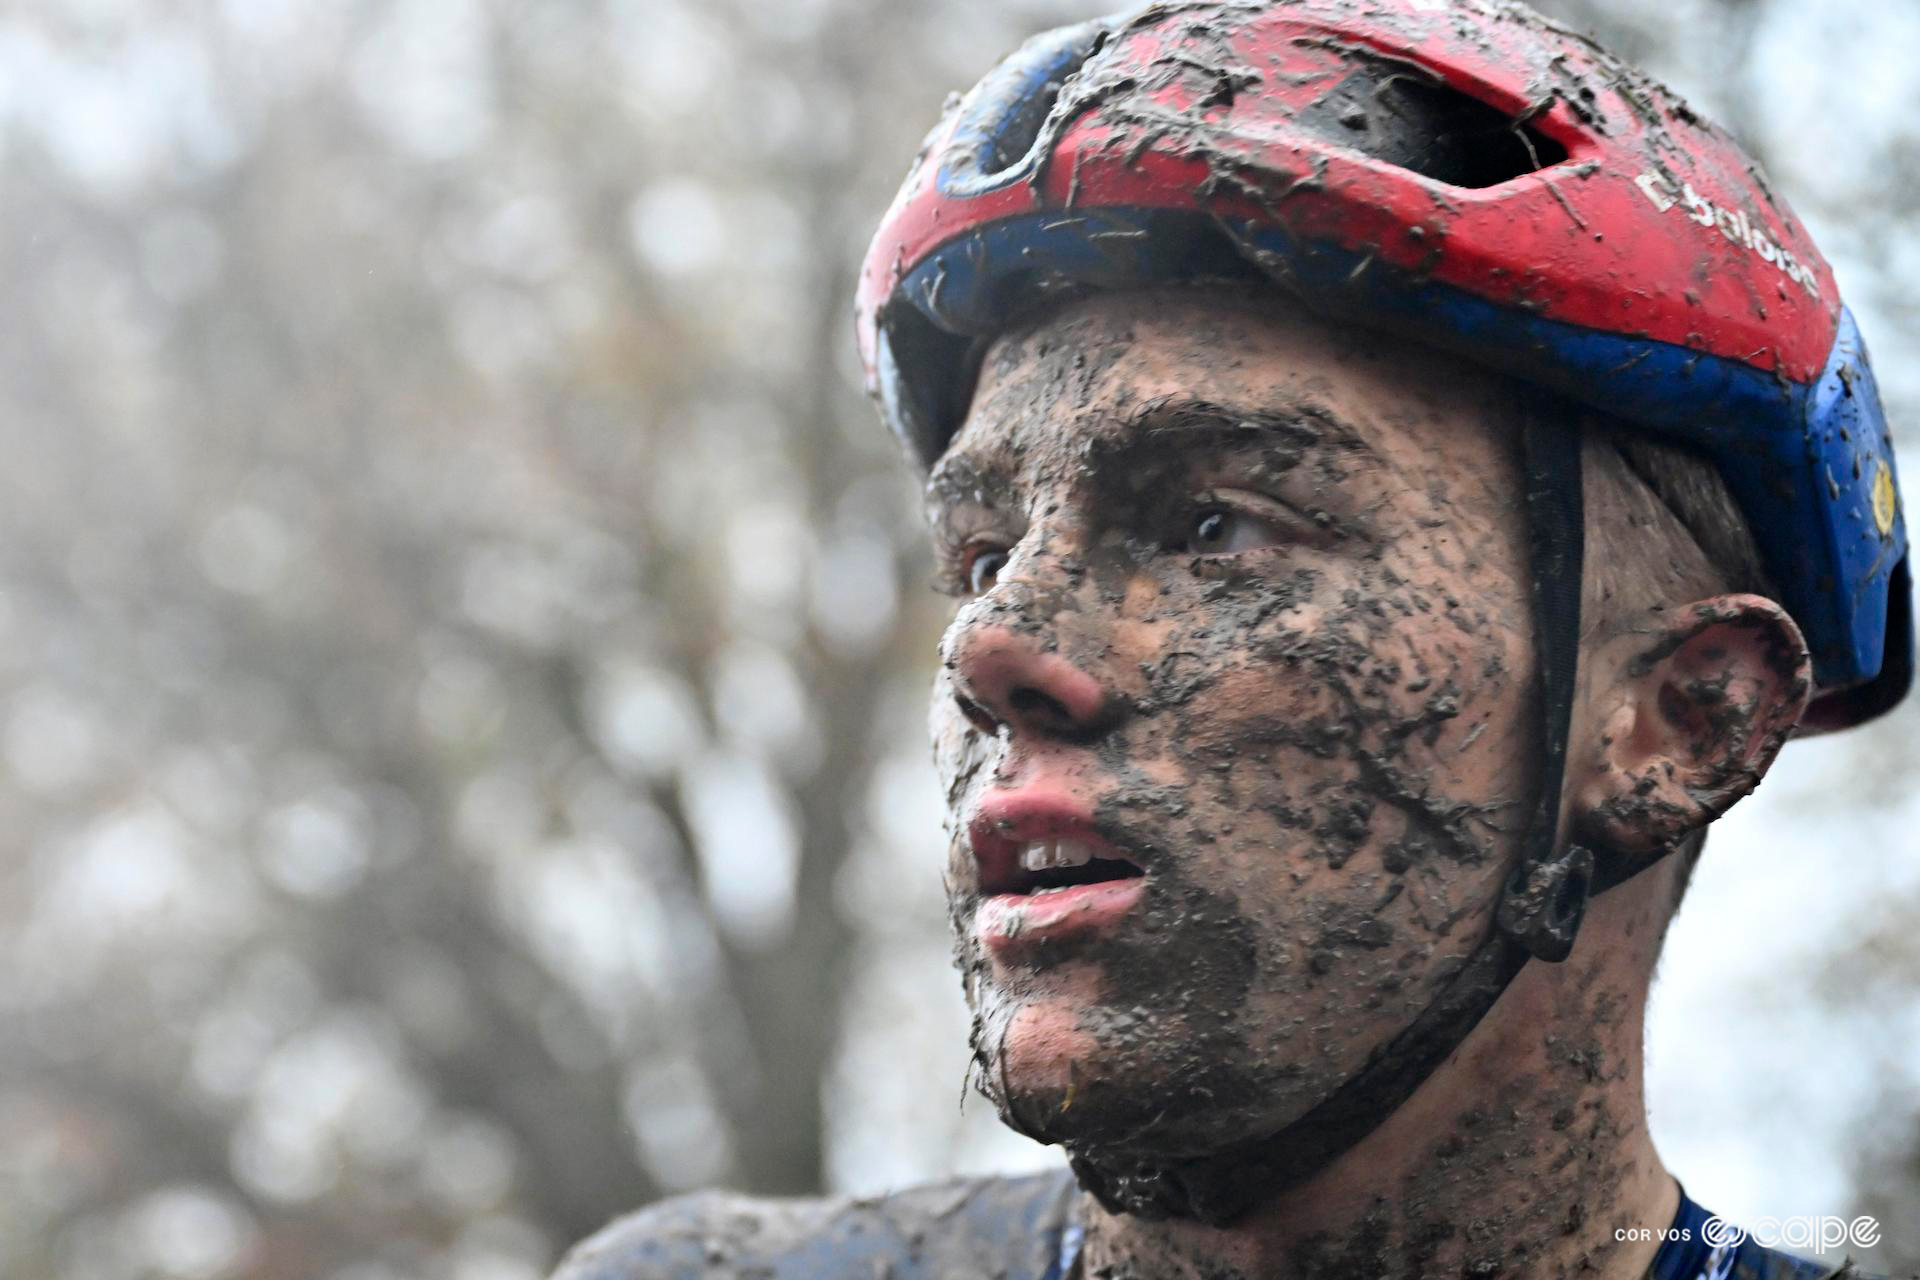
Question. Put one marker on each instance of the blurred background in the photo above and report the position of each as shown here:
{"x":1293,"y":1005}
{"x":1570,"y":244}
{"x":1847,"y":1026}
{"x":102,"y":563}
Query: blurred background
{"x":464,"y":637}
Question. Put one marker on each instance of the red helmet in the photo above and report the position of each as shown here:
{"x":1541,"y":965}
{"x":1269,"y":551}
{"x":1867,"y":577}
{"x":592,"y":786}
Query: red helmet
{"x":1463,"y":172}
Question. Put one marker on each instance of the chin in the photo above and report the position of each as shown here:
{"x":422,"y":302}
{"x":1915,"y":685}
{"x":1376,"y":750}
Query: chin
{"x":1091,"y":1078}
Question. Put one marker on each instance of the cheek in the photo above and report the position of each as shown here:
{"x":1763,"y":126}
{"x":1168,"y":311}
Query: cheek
{"x":960,"y":751}
{"x":961,"y":755}
{"x":1349,"y":771}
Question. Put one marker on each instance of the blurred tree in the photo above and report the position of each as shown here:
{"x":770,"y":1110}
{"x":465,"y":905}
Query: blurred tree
{"x":446,"y":618}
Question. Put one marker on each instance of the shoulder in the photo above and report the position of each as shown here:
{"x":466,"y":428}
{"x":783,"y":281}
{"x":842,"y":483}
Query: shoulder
{"x":988,"y":1227}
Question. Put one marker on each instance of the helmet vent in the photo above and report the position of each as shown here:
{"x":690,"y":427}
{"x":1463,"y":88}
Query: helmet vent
{"x":1398,"y":113}
{"x":994,"y":140}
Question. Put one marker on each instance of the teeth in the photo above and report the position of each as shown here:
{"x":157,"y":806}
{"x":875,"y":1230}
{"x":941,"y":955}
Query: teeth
{"x":1072,"y":853}
{"x":1042,"y":854}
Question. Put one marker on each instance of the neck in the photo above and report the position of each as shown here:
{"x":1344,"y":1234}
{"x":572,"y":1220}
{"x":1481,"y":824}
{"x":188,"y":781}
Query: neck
{"x":1525,"y":1154}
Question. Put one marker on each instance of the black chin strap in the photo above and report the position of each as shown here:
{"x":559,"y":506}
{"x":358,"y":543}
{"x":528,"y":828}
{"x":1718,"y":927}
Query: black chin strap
{"x":1538,"y":915}
{"x":1547,"y":893}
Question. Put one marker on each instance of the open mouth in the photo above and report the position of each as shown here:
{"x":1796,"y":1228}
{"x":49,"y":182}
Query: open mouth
{"x":1044,"y":867}
{"x":1046,"y":874}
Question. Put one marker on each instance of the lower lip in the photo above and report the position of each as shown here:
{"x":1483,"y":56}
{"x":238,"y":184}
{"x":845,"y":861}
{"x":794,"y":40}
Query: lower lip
{"x":1009,"y":921}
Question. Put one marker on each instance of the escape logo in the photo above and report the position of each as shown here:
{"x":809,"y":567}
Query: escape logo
{"x":1733,"y":224}
{"x":1816,"y":1235}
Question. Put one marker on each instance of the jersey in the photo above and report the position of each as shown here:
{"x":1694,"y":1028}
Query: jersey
{"x":975,"y":1228}
{"x":1687,"y":1254}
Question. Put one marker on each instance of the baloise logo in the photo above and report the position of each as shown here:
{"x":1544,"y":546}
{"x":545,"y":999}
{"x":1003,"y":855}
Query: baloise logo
{"x":1733,"y":224}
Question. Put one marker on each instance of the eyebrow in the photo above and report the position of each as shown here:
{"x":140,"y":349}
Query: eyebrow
{"x":1202,"y":423}
{"x":1301,"y":423}
{"x":958,"y":479}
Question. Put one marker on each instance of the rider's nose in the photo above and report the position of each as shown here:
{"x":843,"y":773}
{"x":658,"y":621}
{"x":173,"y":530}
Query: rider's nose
{"x":1003,"y":675}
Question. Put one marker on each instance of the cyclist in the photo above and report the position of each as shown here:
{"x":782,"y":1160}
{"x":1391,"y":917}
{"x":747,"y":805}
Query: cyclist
{"x":1404,"y":475}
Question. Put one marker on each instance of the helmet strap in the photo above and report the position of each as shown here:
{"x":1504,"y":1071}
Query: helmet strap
{"x":1547,"y":894}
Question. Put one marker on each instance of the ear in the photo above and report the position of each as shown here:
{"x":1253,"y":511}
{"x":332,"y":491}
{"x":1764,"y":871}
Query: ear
{"x":1691,"y":709}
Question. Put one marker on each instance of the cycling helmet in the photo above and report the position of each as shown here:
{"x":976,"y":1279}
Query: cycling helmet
{"x":1462,"y":172}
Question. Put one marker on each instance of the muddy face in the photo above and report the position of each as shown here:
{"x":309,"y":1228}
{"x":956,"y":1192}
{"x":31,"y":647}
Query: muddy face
{"x":1235,"y":717}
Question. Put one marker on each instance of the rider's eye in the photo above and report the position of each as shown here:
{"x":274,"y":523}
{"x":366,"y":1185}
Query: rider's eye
{"x":1220,"y":530}
{"x":983,"y":568}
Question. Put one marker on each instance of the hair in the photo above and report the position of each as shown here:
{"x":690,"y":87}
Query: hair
{"x":1662,"y":529}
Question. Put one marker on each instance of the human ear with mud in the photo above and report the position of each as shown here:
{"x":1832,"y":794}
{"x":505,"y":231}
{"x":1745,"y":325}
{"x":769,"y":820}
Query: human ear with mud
{"x":1682,"y":714}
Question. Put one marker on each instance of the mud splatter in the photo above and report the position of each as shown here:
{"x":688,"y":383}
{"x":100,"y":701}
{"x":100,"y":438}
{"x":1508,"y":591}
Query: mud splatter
{"x":1263,"y":743}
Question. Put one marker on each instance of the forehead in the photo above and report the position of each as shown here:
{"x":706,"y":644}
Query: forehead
{"x":1091,"y":370}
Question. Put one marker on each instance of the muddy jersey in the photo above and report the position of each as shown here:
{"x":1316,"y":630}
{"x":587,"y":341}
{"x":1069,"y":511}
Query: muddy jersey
{"x":1009,"y":1228}
{"x":1005,"y":1228}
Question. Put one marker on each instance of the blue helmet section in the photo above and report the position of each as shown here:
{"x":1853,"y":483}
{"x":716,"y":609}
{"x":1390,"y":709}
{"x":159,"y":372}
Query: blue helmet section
{"x":1810,"y":465}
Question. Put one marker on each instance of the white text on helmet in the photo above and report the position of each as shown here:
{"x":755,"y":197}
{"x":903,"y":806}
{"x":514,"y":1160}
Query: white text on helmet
{"x":1733,"y":224}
